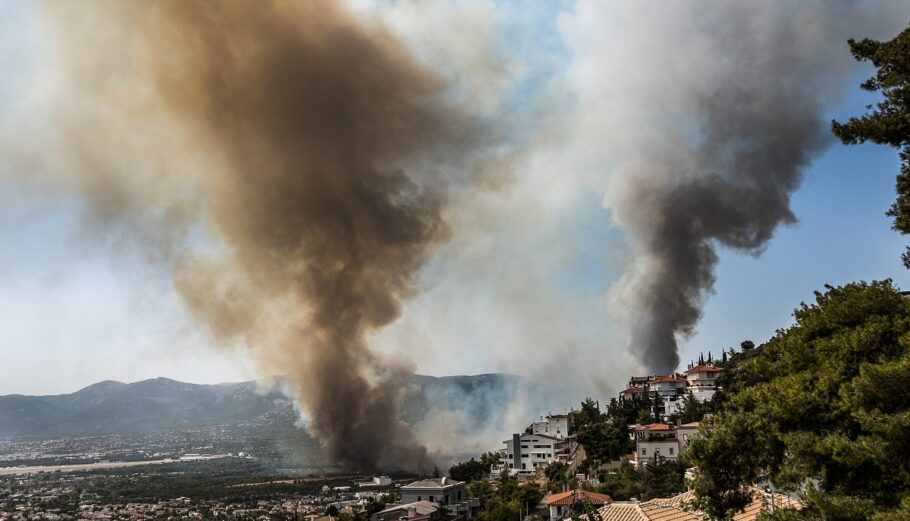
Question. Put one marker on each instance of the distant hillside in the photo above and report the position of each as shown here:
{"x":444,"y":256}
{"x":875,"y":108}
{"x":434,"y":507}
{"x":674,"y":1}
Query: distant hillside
{"x":162,"y":404}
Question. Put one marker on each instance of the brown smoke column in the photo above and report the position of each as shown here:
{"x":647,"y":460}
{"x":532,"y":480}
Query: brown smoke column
{"x":325,"y":155}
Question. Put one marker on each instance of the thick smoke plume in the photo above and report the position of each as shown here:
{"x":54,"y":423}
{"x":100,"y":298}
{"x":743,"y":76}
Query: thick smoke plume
{"x":710,"y":117}
{"x":315,"y":151}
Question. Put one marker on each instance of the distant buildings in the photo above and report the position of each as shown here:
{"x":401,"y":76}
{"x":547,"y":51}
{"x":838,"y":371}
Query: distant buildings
{"x":668,"y":391}
{"x":376,"y":482}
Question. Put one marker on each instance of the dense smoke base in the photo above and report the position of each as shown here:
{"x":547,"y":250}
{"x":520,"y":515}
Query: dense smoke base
{"x":305,"y":129}
{"x":727,"y":108}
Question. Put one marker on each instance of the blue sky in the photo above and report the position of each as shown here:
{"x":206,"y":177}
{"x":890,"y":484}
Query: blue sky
{"x":75,"y":310}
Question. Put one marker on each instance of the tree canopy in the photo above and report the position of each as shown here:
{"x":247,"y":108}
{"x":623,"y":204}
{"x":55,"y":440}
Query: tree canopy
{"x":888,"y":123}
{"x":822,"y":408}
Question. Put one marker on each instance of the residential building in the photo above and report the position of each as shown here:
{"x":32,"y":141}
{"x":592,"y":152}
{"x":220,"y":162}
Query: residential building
{"x":527,"y":453}
{"x":444,"y":491}
{"x":671,"y":389}
{"x":684,"y":433}
{"x":555,"y":425}
{"x":661,"y":440}
{"x":561,"y":505}
{"x":702,"y":381}
{"x":437,"y":490}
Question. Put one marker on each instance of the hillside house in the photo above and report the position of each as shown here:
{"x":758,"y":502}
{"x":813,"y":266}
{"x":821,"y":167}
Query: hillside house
{"x":528,"y":452}
{"x":702,"y":381}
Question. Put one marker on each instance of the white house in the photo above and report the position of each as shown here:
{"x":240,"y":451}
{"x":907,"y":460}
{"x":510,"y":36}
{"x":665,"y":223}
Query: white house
{"x":444,"y":491}
{"x":661,"y":440}
{"x":528,"y":452}
{"x":555,"y":425}
{"x":702,"y":381}
{"x":671,"y":389}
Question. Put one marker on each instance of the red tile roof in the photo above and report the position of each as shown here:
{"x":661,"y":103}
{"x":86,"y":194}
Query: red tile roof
{"x":575,"y":496}
{"x":704,"y":369}
{"x":654,"y":427}
{"x":668,"y":379}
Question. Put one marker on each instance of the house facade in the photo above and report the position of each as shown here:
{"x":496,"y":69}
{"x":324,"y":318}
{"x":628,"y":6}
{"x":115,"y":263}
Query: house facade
{"x":702,"y":381}
{"x":526,"y":453}
{"x":555,"y":425}
{"x":445,"y":492}
{"x":661,"y":441}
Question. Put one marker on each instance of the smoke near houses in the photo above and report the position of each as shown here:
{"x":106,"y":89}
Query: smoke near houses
{"x":323,"y":178}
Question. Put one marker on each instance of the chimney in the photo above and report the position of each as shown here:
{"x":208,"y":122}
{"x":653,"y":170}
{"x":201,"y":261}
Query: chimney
{"x":412,"y":512}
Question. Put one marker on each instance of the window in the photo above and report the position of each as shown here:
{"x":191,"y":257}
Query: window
{"x":419,"y":498}
{"x":671,"y":451}
{"x":644,"y":451}
{"x":459,"y":495}
{"x":431,"y":499}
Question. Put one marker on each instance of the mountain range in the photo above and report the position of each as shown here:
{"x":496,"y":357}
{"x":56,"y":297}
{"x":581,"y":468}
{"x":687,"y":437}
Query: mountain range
{"x":162,"y":404}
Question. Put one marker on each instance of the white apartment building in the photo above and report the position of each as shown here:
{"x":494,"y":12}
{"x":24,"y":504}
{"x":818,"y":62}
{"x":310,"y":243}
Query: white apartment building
{"x":702,"y":381}
{"x":528,"y":452}
{"x":555,"y":425}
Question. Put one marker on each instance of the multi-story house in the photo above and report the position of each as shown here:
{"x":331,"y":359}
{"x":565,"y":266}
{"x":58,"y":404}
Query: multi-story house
{"x":671,"y":389}
{"x":528,"y":452}
{"x":555,"y":425}
{"x":702,"y":381}
{"x":446,"y":492}
{"x":661,"y":440}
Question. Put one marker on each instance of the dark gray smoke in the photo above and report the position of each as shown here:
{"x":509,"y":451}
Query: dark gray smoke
{"x":707,"y":118}
{"x":316,"y":153}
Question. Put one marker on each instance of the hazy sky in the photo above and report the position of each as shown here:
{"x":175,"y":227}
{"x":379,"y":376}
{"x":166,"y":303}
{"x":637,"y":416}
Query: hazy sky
{"x":79,"y":307}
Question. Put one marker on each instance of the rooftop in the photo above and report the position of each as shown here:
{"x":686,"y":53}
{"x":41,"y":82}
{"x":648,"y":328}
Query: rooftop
{"x":422,"y":508}
{"x":704,"y":369}
{"x":575,"y":496}
{"x":668,"y":378}
{"x":674,"y":508}
{"x":440,"y":483}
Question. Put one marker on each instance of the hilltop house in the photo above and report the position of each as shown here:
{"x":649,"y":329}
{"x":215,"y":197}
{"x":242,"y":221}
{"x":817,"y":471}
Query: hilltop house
{"x":671,"y":390}
{"x":526,"y":453}
{"x":702,"y":381}
{"x":555,"y":425}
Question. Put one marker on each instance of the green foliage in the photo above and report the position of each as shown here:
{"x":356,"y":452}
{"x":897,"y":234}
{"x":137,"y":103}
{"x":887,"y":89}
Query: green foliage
{"x":660,"y":478}
{"x":557,"y":476}
{"x":471,"y":470}
{"x":823,"y":402}
{"x":506,"y":499}
{"x":474,"y":470}
{"x":693,"y":410}
{"x":604,"y":437}
{"x":889,"y":122}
